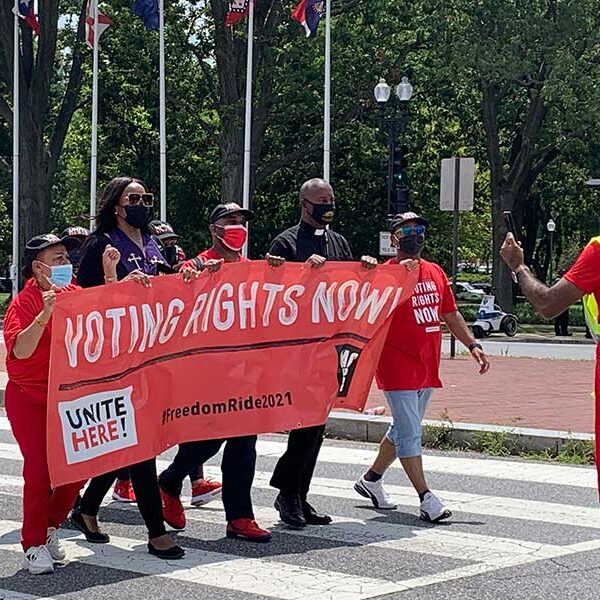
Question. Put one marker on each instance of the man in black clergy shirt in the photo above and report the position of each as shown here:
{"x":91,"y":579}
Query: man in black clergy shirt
{"x":310,"y":241}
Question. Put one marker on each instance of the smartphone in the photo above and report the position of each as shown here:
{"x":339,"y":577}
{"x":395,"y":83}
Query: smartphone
{"x":510,"y":223}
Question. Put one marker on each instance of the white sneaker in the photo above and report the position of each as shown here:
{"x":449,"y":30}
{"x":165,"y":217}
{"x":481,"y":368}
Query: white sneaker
{"x":38,"y":560}
{"x":373,"y":490}
{"x":57,"y":552}
{"x":433,"y":509}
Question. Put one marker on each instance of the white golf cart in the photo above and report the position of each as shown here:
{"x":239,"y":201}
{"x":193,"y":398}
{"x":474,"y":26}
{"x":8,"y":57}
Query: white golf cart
{"x":492,"y":319}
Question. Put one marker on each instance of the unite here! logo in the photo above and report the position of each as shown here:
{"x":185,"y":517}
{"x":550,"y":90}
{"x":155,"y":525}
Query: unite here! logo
{"x":347,"y":360}
{"x":97,"y":424}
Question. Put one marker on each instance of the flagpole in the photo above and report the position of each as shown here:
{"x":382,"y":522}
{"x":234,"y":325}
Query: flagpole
{"x":327,"y":101}
{"x":14,"y":268}
{"x":163,"y":112}
{"x":94,"y":152}
{"x":248,"y":118}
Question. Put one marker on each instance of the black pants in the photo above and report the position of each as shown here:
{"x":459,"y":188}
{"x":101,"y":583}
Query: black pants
{"x":294,"y":471}
{"x":561,"y":323}
{"x":145,"y":486}
{"x":196,"y":472}
{"x":238,"y":466}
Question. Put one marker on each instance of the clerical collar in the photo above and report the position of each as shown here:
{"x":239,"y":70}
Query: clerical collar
{"x":310,"y":229}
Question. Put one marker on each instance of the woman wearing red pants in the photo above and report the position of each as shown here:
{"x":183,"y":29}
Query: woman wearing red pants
{"x":27,"y":327}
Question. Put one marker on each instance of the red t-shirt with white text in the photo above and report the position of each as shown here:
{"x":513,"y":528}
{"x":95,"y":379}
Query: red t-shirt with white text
{"x":411,"y":355}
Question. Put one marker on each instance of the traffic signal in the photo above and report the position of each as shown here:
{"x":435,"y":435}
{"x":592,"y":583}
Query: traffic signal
{"x":399,"y":164}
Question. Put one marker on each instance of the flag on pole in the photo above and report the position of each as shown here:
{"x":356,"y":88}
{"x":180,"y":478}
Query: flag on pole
{"x":27,"y":12}
{"x":147,"y":10}
{"x":103,"y":23}
{"x":238,"y":9}
{"x":308,"y":13}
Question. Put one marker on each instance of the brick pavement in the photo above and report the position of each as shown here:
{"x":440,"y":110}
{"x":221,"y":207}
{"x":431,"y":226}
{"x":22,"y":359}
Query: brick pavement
{"x":525,"y":392}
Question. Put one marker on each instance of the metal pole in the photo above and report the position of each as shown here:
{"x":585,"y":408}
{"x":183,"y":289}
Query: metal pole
{"x":14,"y":267}
{"x":162,"y":111}
{"x":391,"y":148}
{"x":551,"y":254}
{"x":248,"y":117}
{"x":327,"y":100}
{"x":455,"y":241}
{"x":94,"y":152}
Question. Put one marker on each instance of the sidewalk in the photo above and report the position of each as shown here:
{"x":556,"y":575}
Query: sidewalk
{"x":522,"y":392}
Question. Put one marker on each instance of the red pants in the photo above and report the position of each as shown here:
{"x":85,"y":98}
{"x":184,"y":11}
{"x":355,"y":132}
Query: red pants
{"x":42,"y":506}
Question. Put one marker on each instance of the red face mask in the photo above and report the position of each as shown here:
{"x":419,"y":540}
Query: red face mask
{"x":234,"y":237}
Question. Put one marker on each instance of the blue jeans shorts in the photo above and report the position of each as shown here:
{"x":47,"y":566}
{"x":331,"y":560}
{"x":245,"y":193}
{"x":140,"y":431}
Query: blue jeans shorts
{"x":408,"y":409}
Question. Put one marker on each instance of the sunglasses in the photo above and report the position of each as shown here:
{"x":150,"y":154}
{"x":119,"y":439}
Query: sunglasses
{"x":136,"y":198}
{"x":411,"y":229}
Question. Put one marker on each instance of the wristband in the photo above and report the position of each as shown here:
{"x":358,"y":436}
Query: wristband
{"x":110,"y":279}
{"x":475,"y":345}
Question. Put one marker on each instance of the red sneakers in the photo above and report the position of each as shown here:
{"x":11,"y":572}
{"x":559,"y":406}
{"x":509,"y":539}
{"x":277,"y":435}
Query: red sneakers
{"x":123,"y":491}
{"x":173,"y":512}
{"x":204,"y":491}
{"x":247,"y":529}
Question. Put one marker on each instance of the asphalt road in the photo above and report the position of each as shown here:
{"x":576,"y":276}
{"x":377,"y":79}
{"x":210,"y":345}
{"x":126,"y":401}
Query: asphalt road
{"x":520,"y":530}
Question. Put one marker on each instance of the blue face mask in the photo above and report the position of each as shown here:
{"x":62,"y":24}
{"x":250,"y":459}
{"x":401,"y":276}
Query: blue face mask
{"x":61,"y":275}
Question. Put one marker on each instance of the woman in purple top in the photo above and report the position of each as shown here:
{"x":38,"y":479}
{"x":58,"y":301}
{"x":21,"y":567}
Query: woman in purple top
{"x":122,"y":222}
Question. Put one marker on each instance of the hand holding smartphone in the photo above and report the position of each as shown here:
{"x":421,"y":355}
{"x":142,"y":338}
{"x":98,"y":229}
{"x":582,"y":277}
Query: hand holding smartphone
{"x":510,"y":223}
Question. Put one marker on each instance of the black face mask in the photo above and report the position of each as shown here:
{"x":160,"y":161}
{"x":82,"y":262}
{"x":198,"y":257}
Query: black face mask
{"x":170,"y":253}
{"x":137,"y":216}
{"x":412,"y":244}
{"x":323,"y":214}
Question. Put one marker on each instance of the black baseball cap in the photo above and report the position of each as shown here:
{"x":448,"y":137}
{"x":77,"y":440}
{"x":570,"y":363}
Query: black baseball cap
{"x":162,"y":230}
{"x":76,"y":232}
{"x":402,"y":218}
{"x":223,"y":210}
{"x":40,"y":242}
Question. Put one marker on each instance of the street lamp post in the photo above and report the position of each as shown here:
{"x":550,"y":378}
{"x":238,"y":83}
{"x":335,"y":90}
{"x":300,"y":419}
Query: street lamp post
{"x":551,"y":227}
{"x":396,"y":123}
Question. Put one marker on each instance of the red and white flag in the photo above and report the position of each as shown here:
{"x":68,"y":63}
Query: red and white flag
{"x":103,"y":23}
{"x":238,"y":9}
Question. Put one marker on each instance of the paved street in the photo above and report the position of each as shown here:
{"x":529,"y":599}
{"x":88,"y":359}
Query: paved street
{"x":520,"y":531}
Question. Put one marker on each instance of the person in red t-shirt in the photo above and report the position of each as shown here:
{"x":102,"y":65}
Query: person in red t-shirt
{"x":583,"y":279}
{"x":228,"y":228}
{"x":408,"y":369}
{"x":27,"y":327}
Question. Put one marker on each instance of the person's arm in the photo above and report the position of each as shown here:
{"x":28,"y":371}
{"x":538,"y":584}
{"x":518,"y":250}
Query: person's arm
{"x":280,"y":249}
{"x":460,"y":330}
{"x":91,"y":271}
{"x":27,"y":341}
{"x":546,"y":301}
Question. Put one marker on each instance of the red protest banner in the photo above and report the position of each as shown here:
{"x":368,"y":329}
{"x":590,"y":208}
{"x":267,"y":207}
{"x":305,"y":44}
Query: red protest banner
{"x":250,"y":349}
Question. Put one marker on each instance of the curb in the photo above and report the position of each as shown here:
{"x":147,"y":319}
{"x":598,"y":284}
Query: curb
{"x":367,"y":428}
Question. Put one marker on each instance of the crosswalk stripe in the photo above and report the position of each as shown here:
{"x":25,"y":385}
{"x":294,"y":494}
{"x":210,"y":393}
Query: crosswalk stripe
{"x":391,"y":536}
{"x":435,"y":541}
{"x":271,"y":578}
{"x":479,"y":504}
{"x":12,"y":595}
{"x":530,"y":472}
{"x":220,"y":570}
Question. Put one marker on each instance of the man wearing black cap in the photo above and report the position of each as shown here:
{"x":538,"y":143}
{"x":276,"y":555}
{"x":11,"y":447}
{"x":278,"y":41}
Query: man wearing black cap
{"x":313,"y":242}
{"x":165,"y":234}
{"x":229,"y":234}
{"x":78,"y":235}
{"x":408,"y":369}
